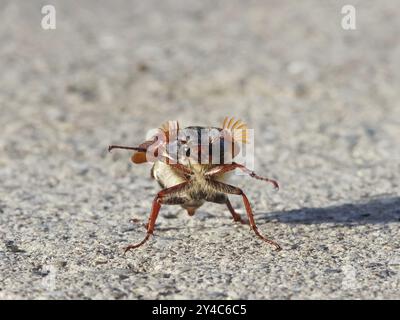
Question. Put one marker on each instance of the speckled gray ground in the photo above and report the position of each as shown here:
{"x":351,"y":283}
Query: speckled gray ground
{"x":325,"y":104}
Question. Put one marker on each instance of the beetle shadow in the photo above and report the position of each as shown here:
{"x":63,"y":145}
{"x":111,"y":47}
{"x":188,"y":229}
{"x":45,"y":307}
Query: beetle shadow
{"x":375,"y":211}
{"x":378,"y":210}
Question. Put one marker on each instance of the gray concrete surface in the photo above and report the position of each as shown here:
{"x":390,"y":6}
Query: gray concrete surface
{"x":325,"y":106}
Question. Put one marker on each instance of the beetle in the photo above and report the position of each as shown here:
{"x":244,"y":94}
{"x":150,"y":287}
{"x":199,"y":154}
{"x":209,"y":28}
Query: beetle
{"x":191,"y":166}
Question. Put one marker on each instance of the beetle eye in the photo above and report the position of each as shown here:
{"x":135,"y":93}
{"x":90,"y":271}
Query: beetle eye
{"x":188,"y":152}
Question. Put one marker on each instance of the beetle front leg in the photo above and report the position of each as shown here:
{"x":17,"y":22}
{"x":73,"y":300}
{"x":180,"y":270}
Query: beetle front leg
{"x":230,"y":167}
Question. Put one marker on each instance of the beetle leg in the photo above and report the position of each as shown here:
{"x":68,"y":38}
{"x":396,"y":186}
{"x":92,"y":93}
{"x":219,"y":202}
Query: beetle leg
{"x":158,"y":200}
{"x":254,"y":175}
{"x":182,"y":168}
{"x":236,"y":216}
{"x":229,"y":167}
{"x":227,"y":188}
{"x":222,"y":198}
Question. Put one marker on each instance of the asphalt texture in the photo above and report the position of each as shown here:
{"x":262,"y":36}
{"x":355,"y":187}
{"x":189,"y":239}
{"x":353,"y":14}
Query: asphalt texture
{"x":325,"y":106}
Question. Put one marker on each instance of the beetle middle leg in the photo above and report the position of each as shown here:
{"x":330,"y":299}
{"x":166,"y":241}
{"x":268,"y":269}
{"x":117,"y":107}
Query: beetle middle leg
{"x":166,"y":196}
{"x":236,"y":216}
{"x":222,"y":198}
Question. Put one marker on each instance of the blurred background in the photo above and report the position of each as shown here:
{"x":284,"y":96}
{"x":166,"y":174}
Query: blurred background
{"x":324,"y":104}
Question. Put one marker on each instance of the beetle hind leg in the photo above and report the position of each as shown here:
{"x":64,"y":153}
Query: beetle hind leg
{"x":167,"y":196}
{"x":229,"y":189}
{"x":134,"y":246}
